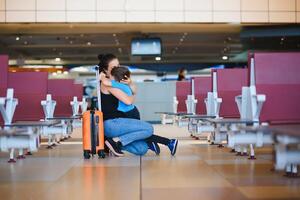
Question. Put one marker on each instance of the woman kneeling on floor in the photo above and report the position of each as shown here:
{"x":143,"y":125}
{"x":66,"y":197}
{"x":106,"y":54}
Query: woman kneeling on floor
{"x":122,"y":126}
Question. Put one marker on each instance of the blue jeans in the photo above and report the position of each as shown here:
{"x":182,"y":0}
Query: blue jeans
{"x":131,"y":132}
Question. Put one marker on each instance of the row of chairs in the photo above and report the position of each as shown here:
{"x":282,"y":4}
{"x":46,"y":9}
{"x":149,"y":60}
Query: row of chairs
{"x":246,"y":108}
{"x":27,"y":115}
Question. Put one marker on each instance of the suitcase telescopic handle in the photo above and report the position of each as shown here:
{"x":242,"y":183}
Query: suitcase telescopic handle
{"x":98,"y":87}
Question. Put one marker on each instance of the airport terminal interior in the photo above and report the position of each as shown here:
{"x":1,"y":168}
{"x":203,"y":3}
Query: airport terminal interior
{"x":149,"y":99}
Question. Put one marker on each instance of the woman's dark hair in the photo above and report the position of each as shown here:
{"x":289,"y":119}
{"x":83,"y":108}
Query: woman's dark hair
{"x":120,"y":73}
{"x":104,"y":60}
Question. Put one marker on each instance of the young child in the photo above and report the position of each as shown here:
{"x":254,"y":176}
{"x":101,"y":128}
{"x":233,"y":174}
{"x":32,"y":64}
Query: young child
{"x":122,"y":74}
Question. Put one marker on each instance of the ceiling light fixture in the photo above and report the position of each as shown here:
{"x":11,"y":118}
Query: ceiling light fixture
{"x":224,"y":57}
{"x":17,"y":38}
{"x":89,"y":43}
{"x":157,"y":58}
{"x":57,"y":59}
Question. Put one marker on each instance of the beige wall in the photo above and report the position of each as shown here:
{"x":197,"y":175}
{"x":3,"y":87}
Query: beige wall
{"x":203,"y":11}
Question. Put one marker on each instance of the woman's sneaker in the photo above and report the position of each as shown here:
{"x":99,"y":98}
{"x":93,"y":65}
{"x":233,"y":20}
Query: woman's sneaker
{"x":154,"y":147}
{"x":114,"y":147}
{"x":173,"y":146}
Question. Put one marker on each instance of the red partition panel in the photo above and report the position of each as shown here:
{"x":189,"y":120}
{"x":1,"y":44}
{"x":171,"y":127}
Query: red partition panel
{"x":62,"y":91}
{"x":30,"y":88}
{"x":183,"y":88}
{"x":202,"y":87}
{"x":3,"y":74}
{"x":277,"y":75}
{"x":78,"y":91}
{"x":230,"y":83}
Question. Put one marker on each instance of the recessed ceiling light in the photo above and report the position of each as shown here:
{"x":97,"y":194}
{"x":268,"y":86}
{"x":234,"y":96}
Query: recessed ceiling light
{"x":282,"y":38}
{"x":57,"y":59}
{"x":89,"y":43}
{"x":224,"y":57}
{"x":157,"y":58}
{"x":17,"y":38}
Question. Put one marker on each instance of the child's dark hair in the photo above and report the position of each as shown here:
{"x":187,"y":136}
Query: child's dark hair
{"x":120,"y":73}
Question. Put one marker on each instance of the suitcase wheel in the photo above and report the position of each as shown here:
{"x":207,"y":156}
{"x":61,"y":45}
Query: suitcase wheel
{"x":101,"y":154}
{"x":86,"y":154}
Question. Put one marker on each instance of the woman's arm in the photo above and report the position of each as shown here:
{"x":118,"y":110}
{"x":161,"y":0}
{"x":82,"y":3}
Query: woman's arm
{"x":105,"y":81}
{"x":122,"y":96}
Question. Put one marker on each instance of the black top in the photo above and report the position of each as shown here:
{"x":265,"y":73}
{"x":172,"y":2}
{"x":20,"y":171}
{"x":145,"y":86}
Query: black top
{"x":109,"y":104}
{"x":133,"y":114}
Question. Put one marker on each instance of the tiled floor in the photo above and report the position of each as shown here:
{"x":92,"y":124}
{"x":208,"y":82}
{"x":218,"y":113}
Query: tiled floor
{"x":198,"y":171}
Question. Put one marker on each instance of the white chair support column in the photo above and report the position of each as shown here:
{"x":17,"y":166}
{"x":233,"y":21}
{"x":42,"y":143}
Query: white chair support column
{"x":56,"y":131}
{"x":191,"y":102}
{"x":167,"y":119}
{"x":83,"y":104}
{"x":10,"y":143}
{"x":212,"y":102}
{"x":249,"y":105}
{"x":48,"y":106}
{"x":8,"y":106}
{"x":75,"y":106}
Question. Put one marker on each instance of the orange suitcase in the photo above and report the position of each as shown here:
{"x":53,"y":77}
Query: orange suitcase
{"x":93,"y":134}
{"x":92,"y":128}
